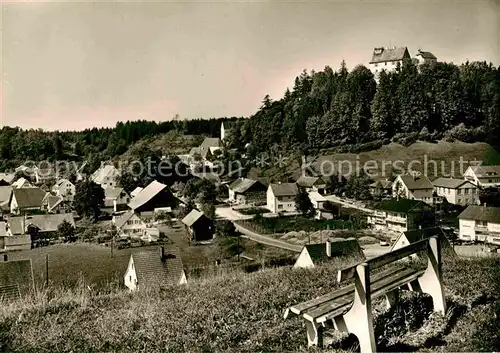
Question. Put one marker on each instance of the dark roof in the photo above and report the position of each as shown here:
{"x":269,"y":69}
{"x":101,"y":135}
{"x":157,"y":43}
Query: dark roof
{"x":44,"y":222}
{"x":192,"y":217}
{"x":395,"y":205}
{"x":309,"y":181}
{"x":420,"y":234}
{"x":211,"y":142}
{"x":384,"y":184}
{"x":16,"y":273}
{"x":284,"y":189}
{"x":146,"y":194}
{"x":113,"y":192}
{"x":415,"y":183}
{"x":449,"y":182}
{"x":481,"y":213}
{"x":339,"y":247}
{"x":29,"y":197}
{"x":241,"y":185}
{"x":483,"y":171}
{"x":152,"y":271}
{"x":389,"y":54}
{"x":426,"y":55}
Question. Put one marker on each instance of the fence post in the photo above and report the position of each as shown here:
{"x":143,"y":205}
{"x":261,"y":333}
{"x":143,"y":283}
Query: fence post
{"x":47,"y":269}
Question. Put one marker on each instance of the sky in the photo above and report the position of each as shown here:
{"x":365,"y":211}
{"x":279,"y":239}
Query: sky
{"x":76,"y":65}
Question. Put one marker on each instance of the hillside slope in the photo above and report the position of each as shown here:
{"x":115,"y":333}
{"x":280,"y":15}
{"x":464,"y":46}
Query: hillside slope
{"x":245,"y":314}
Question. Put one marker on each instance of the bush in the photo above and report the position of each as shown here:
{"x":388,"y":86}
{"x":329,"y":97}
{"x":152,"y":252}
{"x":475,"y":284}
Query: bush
{"x":465,"y":134}
{"x":406,"y":139}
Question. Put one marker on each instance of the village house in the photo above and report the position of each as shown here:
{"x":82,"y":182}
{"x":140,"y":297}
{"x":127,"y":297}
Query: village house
{"x":312,"y":183}
{"x":129,"y":224}
{"x":381,"y":188}
{"x":5,"y":195}
{"x":483,"y":176}
{"x":425,"y":57}
{"x":314,"y":254}
{"x":245,"y":191}
{"x":412,"y":236}
{"x":26,"y":200}
{"x":42,"y":226}
{"x":21,"y":183}
{"x":206,"y":150}
{"x":317,"y":199}
{"x":414,"y":187}
{"x":116,"y":198}
{"x":65,"y":188}
{"x":388,"y":59}
{"x":106,"y":176}
{"x":9,"y":242}
{"x":401,"y":215}
{"x":54,"y":204}
{"x":16,"y":278}
{"x":154,"y":268}
{"x":155,"y":195}
{"x":457,"y":191}
{"x":281,"y":197}
{"x":480,"y":223}
{"x":198,"y":226}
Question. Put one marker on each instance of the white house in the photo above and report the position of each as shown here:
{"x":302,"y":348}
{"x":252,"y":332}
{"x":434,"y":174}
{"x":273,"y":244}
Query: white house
{"x":412,"y":236}
{"x":65,"y":188}
{"x":106,"y":176}
{"x":317,"y":199}
{"x":281,"y":197}
{"x":425,"y":57}
{"x":25,"y":200}
{"x":387,"y":59}
{"x":116,"y":197}
{"x":245,"y":191}
{"x":413,"y":187}
{"x":457,"y":191}
{"x":480,"y":223}
{"x":130,"y":224}
{"x":314,"y":254}
{"x":483,"y":176}
{"x":153,"y":269}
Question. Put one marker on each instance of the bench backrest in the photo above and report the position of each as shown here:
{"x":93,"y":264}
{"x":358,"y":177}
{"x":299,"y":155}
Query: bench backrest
{"x":393,"y":256}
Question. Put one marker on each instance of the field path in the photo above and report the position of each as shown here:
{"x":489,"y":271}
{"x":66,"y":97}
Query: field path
{"x":259,"y":238}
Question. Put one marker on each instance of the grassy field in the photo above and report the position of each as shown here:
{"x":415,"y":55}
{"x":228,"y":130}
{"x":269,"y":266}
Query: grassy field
{"x":244,"y":313}
{"x":444,"y":153}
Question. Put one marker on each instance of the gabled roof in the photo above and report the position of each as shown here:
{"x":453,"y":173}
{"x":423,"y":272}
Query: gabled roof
{"x":384,"y":184}
{"x":17,"y":273}
{"x":426,"y":55}
{"x":482,"y":171}
{"x":481,"y":213}
{"x":284,"y":189}
{"x":5,"y":194}
{"x":395,"y":205}
{"x":136,"y":191}
{"x":45,"y":222}
{"x":449,"y":182}
{"x":192,"y":217}
{"x":241,"y":185}
{"x":152,"y":271}
{"x":389,"y":54}
{"x":113,"y":193}
{"x":100,"y":174}
{"x":120,"y":221}
{"x":211,"y":142}
{"x":62,"y":181}
{"x":29,"y":197}
{"x":309,"y":181}
{"x":420,"y":234}
{"x":21,"y":183}
{"x":415,"y":183}
{"x":339,"y":248}
{"x":146,"y":194}
{"x":52,"y":201}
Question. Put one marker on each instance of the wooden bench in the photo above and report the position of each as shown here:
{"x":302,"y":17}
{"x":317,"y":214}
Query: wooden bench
{"x":349,"y":308}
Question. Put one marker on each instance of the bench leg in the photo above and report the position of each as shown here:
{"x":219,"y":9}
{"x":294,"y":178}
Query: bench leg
{"x":431,"y":281}
{"x":358,"y":320}
{"x":392,"y":298}
{"x":314,"y":334}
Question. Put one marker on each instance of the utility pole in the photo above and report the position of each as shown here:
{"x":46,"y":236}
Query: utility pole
{"x":47,"y":270}
{"x":238,"y":248}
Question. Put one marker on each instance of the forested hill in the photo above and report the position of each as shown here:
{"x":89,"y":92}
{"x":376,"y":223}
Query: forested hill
{"x":18,"y":146}
{"x":327,"y":108}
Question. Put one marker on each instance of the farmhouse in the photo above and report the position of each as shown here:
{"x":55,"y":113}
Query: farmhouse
{"x":413,"y":187}
{"x":16,"y":278}
{"x":483,"y":176}
{"x":401,"y":215}
{"x":457,"y":191}
{"x":106,"y":176}
{"x":9,"y":242}
{"x":129,"y":224}
{"x":53,"y":204}
{"x":412,"y":236}
{"x":480,"y":223}
{"x":155,"y":195}
{"x":116,"y":197}
{"x":312,"y":183}
{"x":315,"y":254}
{"x":245,"y":191}
{"x":425,"y":57}
{"x":206,"y":149}
{"x":387,"y":59}
{"x":25,"y":200}
{"x":199,"y":226}
{"x":281,"y":197}
{"x":381,"y":188}
{"x":65,"y":188}
{"x":154,"y":268}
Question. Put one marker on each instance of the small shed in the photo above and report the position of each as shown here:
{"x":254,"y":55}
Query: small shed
{"x":199,"y":226}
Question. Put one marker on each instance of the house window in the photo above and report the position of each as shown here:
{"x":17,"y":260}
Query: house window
{"x":376,"y":65}
{"x":385,"y":63}
{"x":130,"y":278}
